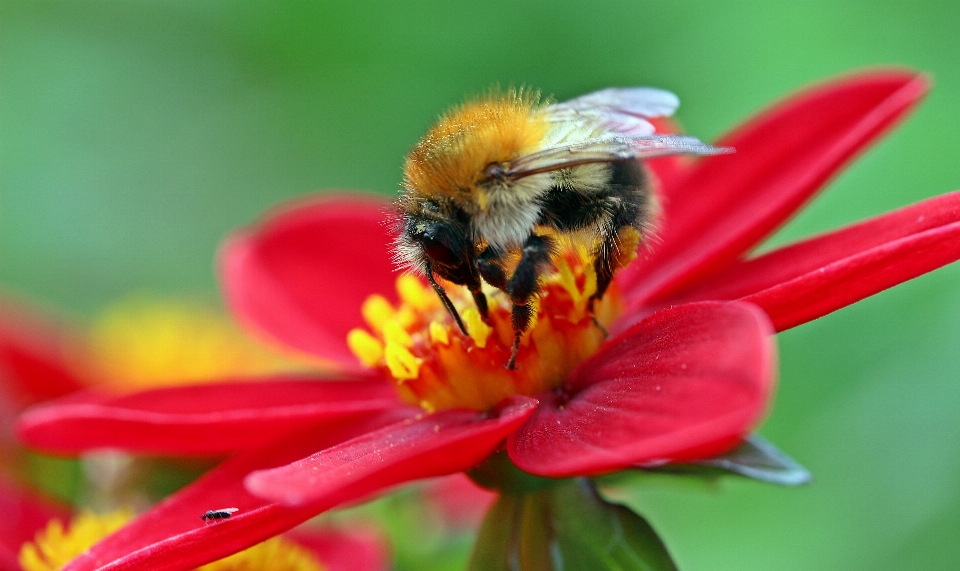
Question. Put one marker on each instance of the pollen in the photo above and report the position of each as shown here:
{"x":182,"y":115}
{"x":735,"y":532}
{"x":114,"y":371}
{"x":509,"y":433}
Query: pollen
{"x":436,"y":366}
{"x":628,"y":239}
{"x":57,"y":544}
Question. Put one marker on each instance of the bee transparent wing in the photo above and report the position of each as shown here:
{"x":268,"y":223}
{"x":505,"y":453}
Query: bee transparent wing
{"x":636,"y":101}
{"x":663,"y":145}
{"x":621,"y":110}
{"x":609,"y":149}
{"x":572,"y":154}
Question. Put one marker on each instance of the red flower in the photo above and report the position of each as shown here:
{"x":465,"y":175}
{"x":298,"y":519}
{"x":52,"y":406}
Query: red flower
{"x":37,"y":362}
{"x":26,"y":515}
{"x":686,"y":375}
{"x":35,"y":349}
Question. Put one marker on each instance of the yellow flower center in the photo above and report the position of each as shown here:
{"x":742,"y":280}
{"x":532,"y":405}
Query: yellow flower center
{"x":142,"y":343}
{"x":436,"y":366}
{"x":56,"y":545}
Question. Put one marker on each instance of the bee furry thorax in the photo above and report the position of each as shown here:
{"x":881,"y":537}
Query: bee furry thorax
{"x":503,"y":177}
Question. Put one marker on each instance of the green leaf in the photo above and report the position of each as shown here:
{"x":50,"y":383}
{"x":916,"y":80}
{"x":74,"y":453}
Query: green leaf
{"x":567,"y":527}
{"x":759,"y":459}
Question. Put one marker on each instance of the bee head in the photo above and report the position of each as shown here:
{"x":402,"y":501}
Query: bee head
{"x":461,"y":153}
{"x":435,"y":237}
{"x":447,"y":251}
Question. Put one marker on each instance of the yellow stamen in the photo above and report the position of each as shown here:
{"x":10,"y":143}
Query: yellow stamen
{"x":401,"y":362}
{"x":436,"y":366}
{"x":413,"y":294}
{"x":377,"y":311}
{"x":478,"y":330}
{"x":366,"y":347}
{"x":274,"y":554}
{"x":589,"y":281}
{"x":438,"y":333}
{"x":57,"y":545}
{"x":393,"y":333}
{"x":567,"y":280}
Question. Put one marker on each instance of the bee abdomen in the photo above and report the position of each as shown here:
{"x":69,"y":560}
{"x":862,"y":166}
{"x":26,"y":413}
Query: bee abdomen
{"x":622,"y":200}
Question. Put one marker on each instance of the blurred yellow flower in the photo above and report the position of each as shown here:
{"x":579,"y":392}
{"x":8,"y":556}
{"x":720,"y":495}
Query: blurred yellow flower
{"x":146,"y":342}
{"x":57,"y":545}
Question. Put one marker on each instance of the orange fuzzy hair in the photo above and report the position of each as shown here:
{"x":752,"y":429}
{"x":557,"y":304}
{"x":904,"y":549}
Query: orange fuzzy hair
{"x":495,"y":128}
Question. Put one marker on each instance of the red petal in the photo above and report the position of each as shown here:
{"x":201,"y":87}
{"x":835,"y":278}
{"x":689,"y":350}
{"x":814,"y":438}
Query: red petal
{"x":200,"y":419}
{"x":24,"y":514}
{"x":35,"y":352}
{"x":433,"y":445}
{"x":301,"y":275}
{"x":688,"y":382}
{"x":809,"y":279}
{"x":728,"y":203}
{"x":341,"y":550}
{"x":171,"y":536}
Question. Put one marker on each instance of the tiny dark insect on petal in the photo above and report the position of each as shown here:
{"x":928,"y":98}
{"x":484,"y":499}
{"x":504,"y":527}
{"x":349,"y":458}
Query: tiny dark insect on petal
{"x":222,"y":513}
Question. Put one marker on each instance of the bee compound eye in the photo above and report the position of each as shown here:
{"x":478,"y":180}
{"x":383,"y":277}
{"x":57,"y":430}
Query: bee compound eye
{"x":441,"y":245}
{"x":438,"y":251}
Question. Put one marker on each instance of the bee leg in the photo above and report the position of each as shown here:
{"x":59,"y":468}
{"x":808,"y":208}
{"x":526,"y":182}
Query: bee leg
{"x":604,"y":269}
{"x":481,"y":300}
{"x":520,"y":317}
{"x":604,"y":264}
{"x":524,"y":285}
{"x":490,"y":268}
{"x":596,"y":321}
{"x":442,"y":294}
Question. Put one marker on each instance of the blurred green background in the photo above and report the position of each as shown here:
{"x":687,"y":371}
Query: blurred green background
{"x":135,"y":134}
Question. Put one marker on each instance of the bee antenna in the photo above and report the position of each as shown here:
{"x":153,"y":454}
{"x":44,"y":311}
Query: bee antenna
{"x":442,"y":294}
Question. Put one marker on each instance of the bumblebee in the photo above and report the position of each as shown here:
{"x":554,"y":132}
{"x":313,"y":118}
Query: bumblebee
{"x":495,"y":182}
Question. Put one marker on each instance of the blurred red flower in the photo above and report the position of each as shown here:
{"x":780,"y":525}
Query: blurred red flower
{"x":26,"y":514}
{"x":686,"y":375}
{"x":40,"y":360}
